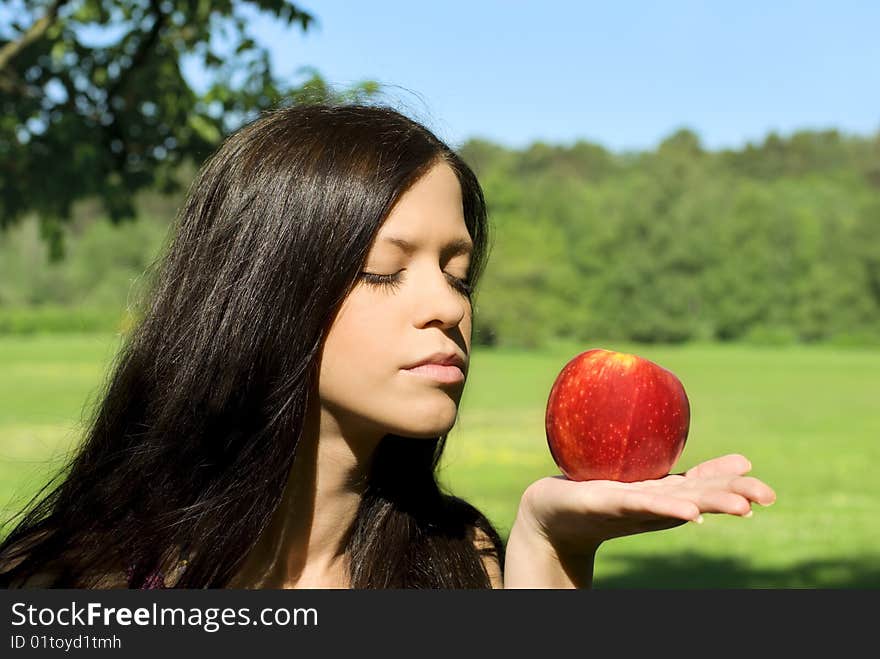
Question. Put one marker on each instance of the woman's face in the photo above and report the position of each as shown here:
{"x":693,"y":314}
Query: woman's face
{"x":383,"y":328}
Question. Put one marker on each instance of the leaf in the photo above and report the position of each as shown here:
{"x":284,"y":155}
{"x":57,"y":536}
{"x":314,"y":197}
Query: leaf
{"x":246,"y":44}
{"x":205,"y":129}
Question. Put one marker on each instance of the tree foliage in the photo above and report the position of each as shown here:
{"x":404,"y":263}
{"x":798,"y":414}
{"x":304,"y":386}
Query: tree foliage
{"x":94,"y":103}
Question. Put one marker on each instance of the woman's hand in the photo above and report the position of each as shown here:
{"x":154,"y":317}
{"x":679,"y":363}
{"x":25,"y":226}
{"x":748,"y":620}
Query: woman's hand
{"x":561,"y":523}
{"x":576,"y":517}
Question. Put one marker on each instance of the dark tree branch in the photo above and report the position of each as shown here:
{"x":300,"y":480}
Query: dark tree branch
{"x":113,"y":131}
{"x":144,"y":48}
{"x":37,"y":30}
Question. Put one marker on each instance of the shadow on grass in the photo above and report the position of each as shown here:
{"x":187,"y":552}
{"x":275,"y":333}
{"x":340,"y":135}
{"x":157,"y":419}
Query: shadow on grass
{"x":692,"y":570}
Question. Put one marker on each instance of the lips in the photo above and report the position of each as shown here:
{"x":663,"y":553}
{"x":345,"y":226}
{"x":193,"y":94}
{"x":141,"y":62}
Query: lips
{"x":447,"y":358}
{"x":449,"y":374}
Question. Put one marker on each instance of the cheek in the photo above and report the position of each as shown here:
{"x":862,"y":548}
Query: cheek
{"x":358,"y":350}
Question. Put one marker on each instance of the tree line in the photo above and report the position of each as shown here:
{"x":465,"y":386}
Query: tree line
{"x":775,"y":242}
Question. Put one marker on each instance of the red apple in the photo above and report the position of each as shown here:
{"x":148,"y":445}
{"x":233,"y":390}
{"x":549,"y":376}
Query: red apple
{"x":615,"y":416}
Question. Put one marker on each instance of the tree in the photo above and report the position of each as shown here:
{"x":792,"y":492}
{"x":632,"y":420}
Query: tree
{"x":93,"y":102}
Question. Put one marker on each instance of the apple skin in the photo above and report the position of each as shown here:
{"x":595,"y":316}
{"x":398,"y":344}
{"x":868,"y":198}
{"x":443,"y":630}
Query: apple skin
{"x":615,"y":416}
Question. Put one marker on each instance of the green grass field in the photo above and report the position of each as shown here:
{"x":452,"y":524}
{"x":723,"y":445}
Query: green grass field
{"x":807,"y":417}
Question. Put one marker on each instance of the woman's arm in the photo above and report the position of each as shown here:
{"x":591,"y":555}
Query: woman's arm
{"x":532,"y":562}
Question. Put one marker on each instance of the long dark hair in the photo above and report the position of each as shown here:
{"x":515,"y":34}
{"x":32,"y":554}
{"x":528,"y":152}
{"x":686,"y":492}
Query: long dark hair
{"x":190,"y":445}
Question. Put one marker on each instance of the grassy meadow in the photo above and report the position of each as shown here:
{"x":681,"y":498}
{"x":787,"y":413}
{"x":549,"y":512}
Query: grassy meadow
{"x":807,"y":417}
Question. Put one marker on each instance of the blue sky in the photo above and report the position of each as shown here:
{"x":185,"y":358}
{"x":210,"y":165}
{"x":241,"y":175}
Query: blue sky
{"x":623,"y":74}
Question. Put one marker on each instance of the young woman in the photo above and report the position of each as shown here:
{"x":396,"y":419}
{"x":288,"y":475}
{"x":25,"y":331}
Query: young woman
{"x":276,"y":419}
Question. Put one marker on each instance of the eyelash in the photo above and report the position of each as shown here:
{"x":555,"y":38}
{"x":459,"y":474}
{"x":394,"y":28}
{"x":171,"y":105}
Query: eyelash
{"x":391,"y":282}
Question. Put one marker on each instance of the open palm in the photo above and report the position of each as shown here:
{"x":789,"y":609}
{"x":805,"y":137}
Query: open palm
{"x":577,"y":516}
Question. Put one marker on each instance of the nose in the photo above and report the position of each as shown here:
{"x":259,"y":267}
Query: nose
{"x":439,"y":300}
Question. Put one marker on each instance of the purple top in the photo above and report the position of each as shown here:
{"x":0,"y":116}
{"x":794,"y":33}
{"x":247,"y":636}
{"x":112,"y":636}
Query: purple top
{"x":155,"y":579}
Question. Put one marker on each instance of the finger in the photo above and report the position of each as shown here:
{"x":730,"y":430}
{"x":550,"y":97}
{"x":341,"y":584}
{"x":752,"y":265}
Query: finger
{"x":725,"y":502}
{"x":753,"y":489}
{"x":659,"y":505}
{"x":733,"y":463}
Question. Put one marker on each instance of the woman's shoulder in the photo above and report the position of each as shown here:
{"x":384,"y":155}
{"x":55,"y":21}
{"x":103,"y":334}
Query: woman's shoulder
{"x":489,"y":556}
{"x":480,"y":531}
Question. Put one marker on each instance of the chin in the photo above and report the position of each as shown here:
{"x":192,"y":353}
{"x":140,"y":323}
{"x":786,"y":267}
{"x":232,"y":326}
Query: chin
{"x":433,"y":427}
{"x":423,"y":415}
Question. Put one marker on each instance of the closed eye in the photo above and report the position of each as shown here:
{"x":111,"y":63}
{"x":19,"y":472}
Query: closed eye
{"x":392,"y":282}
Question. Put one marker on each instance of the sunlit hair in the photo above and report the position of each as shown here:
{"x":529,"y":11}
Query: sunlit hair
{"x":192,"y":440}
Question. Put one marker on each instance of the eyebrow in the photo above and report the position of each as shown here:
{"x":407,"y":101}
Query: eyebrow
{"x":453,"y":248}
